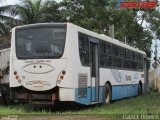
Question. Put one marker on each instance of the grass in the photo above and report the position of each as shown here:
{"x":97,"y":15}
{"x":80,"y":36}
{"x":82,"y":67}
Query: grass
{"x":146,"y":104}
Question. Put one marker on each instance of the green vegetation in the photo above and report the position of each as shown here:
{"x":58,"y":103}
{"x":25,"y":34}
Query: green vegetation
{"x":146,"y":104}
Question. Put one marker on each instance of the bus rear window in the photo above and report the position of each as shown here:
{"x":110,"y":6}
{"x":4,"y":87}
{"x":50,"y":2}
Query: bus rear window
{"x":41,"y":43}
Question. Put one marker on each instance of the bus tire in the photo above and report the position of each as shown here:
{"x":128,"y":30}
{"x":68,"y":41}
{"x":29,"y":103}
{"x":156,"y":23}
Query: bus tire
{"x":107,"y":94}
{"x":139,"y":89}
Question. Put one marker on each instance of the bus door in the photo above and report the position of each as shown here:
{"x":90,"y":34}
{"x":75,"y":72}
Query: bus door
{"x":94,"y":71}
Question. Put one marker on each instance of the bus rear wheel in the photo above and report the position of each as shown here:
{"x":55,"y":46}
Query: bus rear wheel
{"x":107,"y":94}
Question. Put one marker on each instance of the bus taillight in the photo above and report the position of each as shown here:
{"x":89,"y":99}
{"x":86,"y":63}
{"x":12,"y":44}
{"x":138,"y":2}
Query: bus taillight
{"x":61,"y":77}
{"x":17,"y":77}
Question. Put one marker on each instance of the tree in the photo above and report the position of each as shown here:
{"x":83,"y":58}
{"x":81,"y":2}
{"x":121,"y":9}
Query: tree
{"x":98,"y":15}
{"x":6,"y":22}
{"x":154,"y":20}
{"x":90,"y":14}
{"x":4,"y":30}
{"x":50,"y":12}
{"x":35,"y":11}
{"x":29,"y":11}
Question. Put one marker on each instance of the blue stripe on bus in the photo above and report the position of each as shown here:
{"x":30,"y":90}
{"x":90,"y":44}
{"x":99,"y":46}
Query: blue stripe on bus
{"x":87,"y":99}
{"x":118,"y":92}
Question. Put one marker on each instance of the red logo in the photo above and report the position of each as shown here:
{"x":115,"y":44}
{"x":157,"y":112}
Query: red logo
{"x":139,"y":5}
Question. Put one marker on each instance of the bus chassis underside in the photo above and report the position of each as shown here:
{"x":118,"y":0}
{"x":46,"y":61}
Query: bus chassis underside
{"x":23,"y":95}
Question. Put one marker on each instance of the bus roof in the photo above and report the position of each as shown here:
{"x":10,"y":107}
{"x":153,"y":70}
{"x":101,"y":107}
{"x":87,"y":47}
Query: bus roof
{"x":40,"y":25}
{"x":108,"y":39}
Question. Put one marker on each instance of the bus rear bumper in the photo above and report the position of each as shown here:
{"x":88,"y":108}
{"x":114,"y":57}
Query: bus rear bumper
{"x":34,"y":97}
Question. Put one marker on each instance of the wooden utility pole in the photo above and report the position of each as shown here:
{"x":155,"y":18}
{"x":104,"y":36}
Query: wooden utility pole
{"x":111,"y":28}
{"x":155,"y":61}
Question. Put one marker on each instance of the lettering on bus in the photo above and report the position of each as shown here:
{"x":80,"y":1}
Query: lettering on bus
{"x":128,"y":78}
{"x":37,"y":61}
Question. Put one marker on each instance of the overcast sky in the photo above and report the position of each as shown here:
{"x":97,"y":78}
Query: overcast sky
{"x":8,"y":2}
{"x":11,"y":2}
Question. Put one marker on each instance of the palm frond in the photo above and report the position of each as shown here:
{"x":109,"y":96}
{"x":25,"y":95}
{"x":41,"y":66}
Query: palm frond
{"x":5,"y":18}
{"x":9,"y":9}
{"x":4,"y":29}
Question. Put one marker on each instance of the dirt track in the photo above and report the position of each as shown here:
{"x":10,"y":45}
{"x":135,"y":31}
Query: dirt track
{"x":67,"y":117}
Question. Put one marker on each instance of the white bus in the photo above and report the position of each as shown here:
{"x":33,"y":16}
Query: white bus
{"x":63,"y":62}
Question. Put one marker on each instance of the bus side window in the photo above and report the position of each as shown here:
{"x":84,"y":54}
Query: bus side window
{"x":101,"y":54}
{"x":108,"y":58}
{"x":116,"y":56}
{"x":126,"y":59}
{"x":140,"y":62}
{"x":84,"y":49}
{"x":137,"y":61}
{"x":133,"y":63}
{"x":105,"y":54}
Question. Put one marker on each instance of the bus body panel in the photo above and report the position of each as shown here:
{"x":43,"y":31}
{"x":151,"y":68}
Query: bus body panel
{"x":37,"y":75}
{"x":124,"y":83}
{"x":74,"y":68}
{"x":67,"y":94}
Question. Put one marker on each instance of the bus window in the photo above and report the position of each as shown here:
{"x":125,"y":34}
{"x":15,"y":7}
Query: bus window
{"x":84,"y":49}
{"x":134,"y":63}
{"x":105,"y":54}
{"x":116,"y":56}
{"x":126,"y":59}
{"x":140,"y":62}
{"x":136,"y":60}
{"x":101,"y":54}
{"x":40,"y":43}
{"x":108,"y":59}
